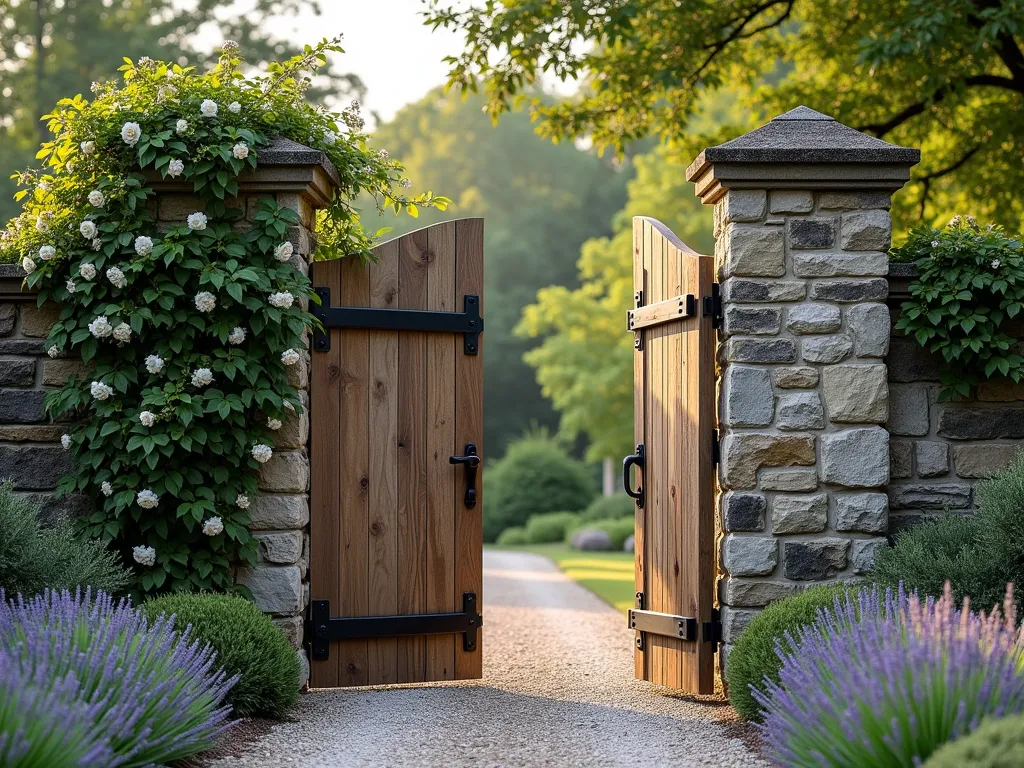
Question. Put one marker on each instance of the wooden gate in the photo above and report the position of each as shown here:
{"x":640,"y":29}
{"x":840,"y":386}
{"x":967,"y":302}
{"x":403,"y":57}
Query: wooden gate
{"x":674,"y":320}
{"x":397,"y":428}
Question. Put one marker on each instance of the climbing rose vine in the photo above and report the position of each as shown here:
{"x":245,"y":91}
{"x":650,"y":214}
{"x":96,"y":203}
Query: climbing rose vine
{"x":190,"y":329}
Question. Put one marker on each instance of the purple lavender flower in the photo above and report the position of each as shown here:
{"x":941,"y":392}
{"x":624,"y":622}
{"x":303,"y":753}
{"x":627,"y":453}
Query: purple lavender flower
{"x":885,"y":680}
{"x":92,"y":679}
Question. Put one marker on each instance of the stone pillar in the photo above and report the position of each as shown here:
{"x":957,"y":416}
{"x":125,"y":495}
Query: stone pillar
{"x":802,"y":229}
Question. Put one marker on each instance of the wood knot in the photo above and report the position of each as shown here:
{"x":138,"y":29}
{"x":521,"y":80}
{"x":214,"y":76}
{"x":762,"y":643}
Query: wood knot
{"x":427,"y":257}
{"x":675,"y":567}
{"x":377,"y":528}
{"x":364,"y":482}
{"x":389,"y":296}
{"x":333,"y":371}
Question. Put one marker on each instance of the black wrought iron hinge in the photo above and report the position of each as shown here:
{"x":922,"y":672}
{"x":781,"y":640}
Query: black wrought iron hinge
{"x":713,"y":306}
{"x":638,"y":335}
{"x":711,"y":631}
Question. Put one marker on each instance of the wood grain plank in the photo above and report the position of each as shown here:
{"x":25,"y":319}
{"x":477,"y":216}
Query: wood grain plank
{"x":441,"y":475}
{"x":413,"y":252}
{"x":354,"y":472}
{"x":324,"y":497}
{"x":675,"y":477}
{"x":639,"y":550}
{"x":382,"y":653}
{"x":469,"y":428}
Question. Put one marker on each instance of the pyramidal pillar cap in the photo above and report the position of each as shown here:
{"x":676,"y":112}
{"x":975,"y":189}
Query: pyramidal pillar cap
{"x":802,"y":149}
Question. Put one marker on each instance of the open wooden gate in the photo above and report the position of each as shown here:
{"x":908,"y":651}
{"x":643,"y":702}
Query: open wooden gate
{"x":674,"y":320}
{"x":397,"y":428}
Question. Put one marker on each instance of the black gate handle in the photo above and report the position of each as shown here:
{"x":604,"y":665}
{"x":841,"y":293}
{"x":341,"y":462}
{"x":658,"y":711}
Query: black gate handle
{"x":636,"y":459}
{"x":472,"y":462}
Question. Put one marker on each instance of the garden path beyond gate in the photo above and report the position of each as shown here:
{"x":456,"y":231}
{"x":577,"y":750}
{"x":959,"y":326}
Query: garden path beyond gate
{"x":676,"y":312}
{"x":396,"y":439}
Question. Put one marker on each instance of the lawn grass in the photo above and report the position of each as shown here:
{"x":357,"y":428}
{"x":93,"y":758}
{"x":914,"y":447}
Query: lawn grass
{"x":609,"y":575}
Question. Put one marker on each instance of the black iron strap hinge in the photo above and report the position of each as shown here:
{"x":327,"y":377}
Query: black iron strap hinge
{"x":712,"y":630}
{"x":469,"y":322}
{"x":713,"y":306}
{"x":322,"y":628}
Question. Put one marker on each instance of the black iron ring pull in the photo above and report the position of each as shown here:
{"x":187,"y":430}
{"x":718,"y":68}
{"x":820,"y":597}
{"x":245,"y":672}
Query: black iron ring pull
{"x":472,"y":463}
{"x":637,"y":460}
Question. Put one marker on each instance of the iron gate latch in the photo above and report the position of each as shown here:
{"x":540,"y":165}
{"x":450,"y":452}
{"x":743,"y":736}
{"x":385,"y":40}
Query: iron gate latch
{"x":469,"y":322}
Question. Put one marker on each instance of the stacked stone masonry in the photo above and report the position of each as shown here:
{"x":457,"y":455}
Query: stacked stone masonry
{"x":804,"y":391}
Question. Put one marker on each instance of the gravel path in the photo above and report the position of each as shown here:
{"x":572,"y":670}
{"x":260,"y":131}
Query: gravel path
{"x":558,"y":690}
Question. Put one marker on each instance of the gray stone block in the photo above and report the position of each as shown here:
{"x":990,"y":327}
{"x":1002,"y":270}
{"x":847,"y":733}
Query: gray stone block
{"x":839,"y":200}
{"x":908,"y":410}
{"x":930,"y":497}
{"x":900,"y":459}
{"x":744,"y":511}
{"x":862,"y":512}
{"x":800,"y":410}
{"x":274,"y":588}
{"x":749,"y":555}
{"x":754,"y":594}
{"x":22,"y":406}
{"x":863,"y":553}
{"x":909,"y":362}
{"x":744,"y":205}
{"x":827,"y":349}
{"x":8,"y":317}
{"x":869,"y":325}
{"x":734,"y":622}
{"x":281,"y":547}
{"x":21,"y":347}
{"x":811,"y":233}
{"x":744,"y":350}
{"x":272,"y":511}
{"x":799,"y":514}
{"x":856,"y":394}
{"x":814,"y":560}
{"x":981,"y":423}
{"x":866,"y":231}
{"x":849,"y":291}
{"x":53,"y":510}
{"x":748,"y":397}
{"x":34,"y":467}
{"x":840,"y":263}
{"x":37,"y":321}
{"x":17,"y":373}
{"x":291,"y":626}
{"x":744,"y":453}
{"x":789,"y":480}
{"x":813,"y":318}
{"x":796,"y":378}
{"x":755,"y":251}
{"x":932,"y":458}
{"x":57,"y":372}
{"x":792,"y":201}
{"x":760,"y":291}
{"x":856,"y":458}
{"x":303,"y":668}
{"x":759,"y":321}
{"x":286,"y":471}
{"x":983,"y":460}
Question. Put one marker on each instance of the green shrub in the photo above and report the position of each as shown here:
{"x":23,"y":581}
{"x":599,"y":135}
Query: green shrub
{"x":924,"y":557}
{"x":618,"y":530}
{"x":535,"y":476}
{"x":33,"y":558}
{"x":1001,"y":519}
{"x":996,"y":744}
{"x":550,"y":527}
{"x":753,"y":658}
{"x":609,"y":508}
{"x":247,"y":644}
{"x":512,"y":537}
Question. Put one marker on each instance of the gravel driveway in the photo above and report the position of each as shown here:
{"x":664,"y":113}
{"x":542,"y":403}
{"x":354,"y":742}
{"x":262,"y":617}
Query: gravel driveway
{"x":558,"y":690}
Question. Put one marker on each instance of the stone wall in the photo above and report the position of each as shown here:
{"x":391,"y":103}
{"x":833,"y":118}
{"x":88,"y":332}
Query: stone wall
{"x":940,"y":450}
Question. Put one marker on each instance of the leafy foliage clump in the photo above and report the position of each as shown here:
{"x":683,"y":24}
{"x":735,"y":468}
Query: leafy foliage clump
{"x":612,"y":507}
{"x":535,"y":476}
{"x":618,"y":530}
{"x":970,"y":284}
{"x":753,"y":660}
{"x":550,"y":527}
{"x":512,"y":537}
{"x":34,"y":558}
{"x":248,"y":646}
{"x":190,"y":329}
{"x":998,"y":743}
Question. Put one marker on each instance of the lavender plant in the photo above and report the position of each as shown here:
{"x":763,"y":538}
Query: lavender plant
{"x":886,"y":680}
{"x":85,"y":681}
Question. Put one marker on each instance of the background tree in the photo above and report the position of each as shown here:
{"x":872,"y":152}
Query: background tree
{"x":541,"y":202}
{"x":944,"y":75}
{"x":52,"y":48}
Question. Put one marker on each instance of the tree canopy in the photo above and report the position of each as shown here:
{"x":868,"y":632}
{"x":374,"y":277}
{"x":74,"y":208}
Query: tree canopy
{"x":944,"y":75}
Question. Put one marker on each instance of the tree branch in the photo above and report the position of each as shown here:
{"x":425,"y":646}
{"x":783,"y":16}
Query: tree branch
{"x":927,"y":179}
{"x":737,"y":32}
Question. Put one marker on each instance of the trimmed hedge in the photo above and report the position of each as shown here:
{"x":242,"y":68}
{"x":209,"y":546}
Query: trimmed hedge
{"x":550,"y":527}
{"x":618,"y":530}
{"x":512,"y":537}
{"x":754,"y":658}
{"x":609,"y":508}
{"x":247,"y":643}
{"x":996,"y":744}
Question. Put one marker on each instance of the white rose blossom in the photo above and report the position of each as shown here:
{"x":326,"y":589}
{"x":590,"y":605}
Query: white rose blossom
{"x":147,"y":418}
{"x":330,"y":137}
{"x":28,"y":265}
{"x":196,"y":221}
{"x":202,"y":377}
{"x":101,"y":391}
{"x":43,"y":222}
{"x":290,"y":356}
{"x":106,"y":488}
{"x":240,"y":150}
{"x":87,"y":147}
{"x":284,"y":251}
{"x":282,"y":300}
{"x":175,"y":168}
{"x":935,"y":243}
{"x":87,"y":229}
{"x":101,"y":327}
{"x":97,"y":243}
{"x":70,"y":285}
{"x":65,"y":440}
{"x":205,"y":301}
{"x":131,"y":133}
{"x":237,"y":335}
{"x":87,"y":270}
{"x":143,"y":245}
{"x":208,"y":108}
{"x":123,"y":333}
{"x":996,"y":263}
{"x":181,"y":126}
{"x":53,"y":351}
{"x":147,"y":499}
{"x":116,"y":276}
{"x":144,"y":555}
{"x":154,"y":363}
{"x":262,"y":453}
{"x":274,"y":424}
{"x":47,"y":252}
{"x":242,"y":501}
{"x":235,"y":107}
{"x":96,"y":198}
{"x":213,"y":526}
